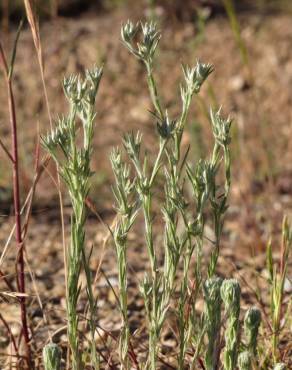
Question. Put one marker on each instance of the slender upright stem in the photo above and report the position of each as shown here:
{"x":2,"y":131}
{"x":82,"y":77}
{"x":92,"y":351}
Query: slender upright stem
{"x":125,"y":333}
{"x":17,"y":210}
{"x":153,"y":91}
{"x":16,"y":199}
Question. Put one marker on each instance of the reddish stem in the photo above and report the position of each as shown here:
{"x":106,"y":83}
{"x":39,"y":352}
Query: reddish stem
{"x":16,"y":198}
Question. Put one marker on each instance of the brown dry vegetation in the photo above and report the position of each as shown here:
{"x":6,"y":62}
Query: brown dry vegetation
{"x":262,"y":151}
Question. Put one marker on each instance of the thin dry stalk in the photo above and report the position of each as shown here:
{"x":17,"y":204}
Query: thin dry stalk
{"x":6,"y":151}
{"x":17,"y":210}
{"x":34,"y":26}
{"x":32,"y":276}
{"x":27,"y":203}
{"x":9,"y":333}
{"x":6,"y":281}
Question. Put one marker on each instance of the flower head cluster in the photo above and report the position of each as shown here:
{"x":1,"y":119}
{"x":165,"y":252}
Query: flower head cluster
{"x":144,"y":49}
{"x":58,"y":136}
{"x":221,"y":128}
{"x":195,"y":77}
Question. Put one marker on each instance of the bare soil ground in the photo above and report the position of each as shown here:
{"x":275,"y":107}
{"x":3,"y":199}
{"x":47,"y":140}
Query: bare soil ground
{"x":262,"y":155}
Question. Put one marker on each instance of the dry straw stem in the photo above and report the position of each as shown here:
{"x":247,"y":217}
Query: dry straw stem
{"x":26,"y":205}
{"x":277,"y":277}
{"x":34,"y":26}
{"x":235,"y":27}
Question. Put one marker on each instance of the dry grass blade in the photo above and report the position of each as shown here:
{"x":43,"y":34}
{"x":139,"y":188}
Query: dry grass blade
{"x":27,"y":203}
{"x":6,"y":150}
{"x":34,"y":25}
{"x":9,"y":333}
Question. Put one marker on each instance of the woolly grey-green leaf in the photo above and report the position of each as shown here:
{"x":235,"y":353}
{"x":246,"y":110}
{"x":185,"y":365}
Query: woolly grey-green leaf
{"x":230,"y":294}
{"x":52,"y":357}
{"x":252,"y":322}
{"x":244,"y":361}
{"x":280,"y":366}
{"x":212,"y":317}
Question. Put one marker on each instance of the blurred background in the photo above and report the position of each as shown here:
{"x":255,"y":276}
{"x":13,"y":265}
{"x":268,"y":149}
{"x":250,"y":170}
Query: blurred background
{"x":249,"y":42}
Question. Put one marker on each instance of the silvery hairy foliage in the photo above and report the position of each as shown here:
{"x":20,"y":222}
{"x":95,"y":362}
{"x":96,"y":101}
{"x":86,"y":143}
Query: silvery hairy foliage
{"x":252,"y":323}
{"x":230,"y":294}
{"x":244,"y":360}
{"x":212,"y":319}
{"x":171,"y":163}
{"x":52,"y":357}
{"x":73,"y":163}
{"x":280,"y":366}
